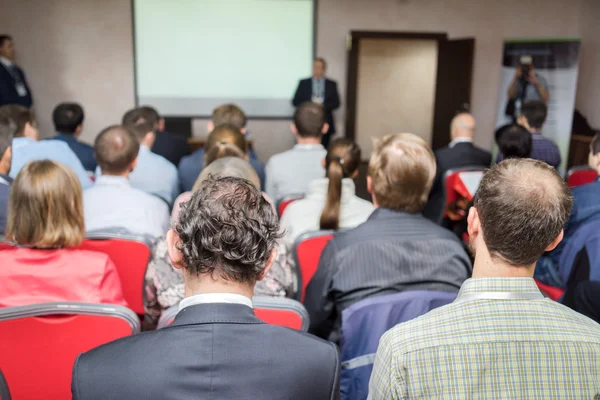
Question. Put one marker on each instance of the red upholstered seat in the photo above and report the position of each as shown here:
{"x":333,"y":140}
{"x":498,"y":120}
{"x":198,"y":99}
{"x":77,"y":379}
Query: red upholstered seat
{"x":39,"y":343}
{"x":553,"y":292}
{"x":281,"y":206}
{"x":581,"y":175}
{"x":307,"y":252}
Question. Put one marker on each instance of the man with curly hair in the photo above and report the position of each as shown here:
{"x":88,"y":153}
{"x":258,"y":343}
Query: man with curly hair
{"x":224,"y":242}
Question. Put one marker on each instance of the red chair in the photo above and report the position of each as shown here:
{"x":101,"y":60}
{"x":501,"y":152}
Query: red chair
{"x":6,"y":246}
{"x":286,"y":201}
{"x":307,"y":252}
{"x":581,"y":175}
{"x":4,"y":392}
{"x":39,"y":343}
{"x":272,"y":310}
{"x":131,"y":255}
{"x":552,"y":292}
{"x":455,"y":184}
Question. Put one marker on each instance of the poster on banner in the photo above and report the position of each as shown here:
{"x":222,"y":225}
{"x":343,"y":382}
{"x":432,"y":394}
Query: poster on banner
{"x":543,"y":69}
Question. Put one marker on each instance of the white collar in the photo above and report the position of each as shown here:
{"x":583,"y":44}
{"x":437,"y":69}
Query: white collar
{"x":308,"y":146}
{"x":7,"y":63}
{"x":207,"y":298}
{"x":460,"y":140}
{"x":111,"y":180}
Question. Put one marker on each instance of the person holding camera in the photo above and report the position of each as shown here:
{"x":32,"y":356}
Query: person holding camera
{"x":527,"y":85}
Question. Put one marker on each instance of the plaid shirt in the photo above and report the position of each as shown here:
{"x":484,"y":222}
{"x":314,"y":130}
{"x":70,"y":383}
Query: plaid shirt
{"x":542,"y":149}
{"x":491,"y":349}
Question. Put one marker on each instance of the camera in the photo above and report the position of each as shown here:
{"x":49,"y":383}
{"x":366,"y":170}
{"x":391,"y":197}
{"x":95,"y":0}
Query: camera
{"x":525,"y":63}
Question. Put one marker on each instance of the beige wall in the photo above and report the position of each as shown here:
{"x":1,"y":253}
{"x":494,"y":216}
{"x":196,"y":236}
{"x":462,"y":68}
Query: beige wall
{"x":81,"y":50}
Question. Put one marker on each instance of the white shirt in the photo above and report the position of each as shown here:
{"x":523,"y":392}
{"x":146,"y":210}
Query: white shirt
{"x":113,"y":203}
{"x":292,"y":171}
{"x":208,"y":298}
{"x":7,"y":63}
{"x":460,"y":140}
{"x":303,"y":216}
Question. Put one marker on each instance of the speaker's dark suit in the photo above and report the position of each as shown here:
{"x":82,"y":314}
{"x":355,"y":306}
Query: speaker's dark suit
{"x":211,"y":351}
{"x":331,"y":102}
{"x":8,"y":91}
{"x":462,"y":154}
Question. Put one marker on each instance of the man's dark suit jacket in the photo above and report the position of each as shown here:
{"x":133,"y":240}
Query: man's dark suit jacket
{"x":8,"y":92}
{"x":331,"y":101}
{"x":462,"y":154}
{"x":83,"y":151}
{"x":171,"y":147}
{"x":211,"y":351}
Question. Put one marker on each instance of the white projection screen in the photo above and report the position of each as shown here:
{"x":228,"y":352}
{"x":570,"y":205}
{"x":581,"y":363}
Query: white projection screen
{"x":192,"y":55}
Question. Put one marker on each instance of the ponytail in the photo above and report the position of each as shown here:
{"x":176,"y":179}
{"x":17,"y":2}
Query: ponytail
{"x":220,"y":150}
{"x":330,"y":217}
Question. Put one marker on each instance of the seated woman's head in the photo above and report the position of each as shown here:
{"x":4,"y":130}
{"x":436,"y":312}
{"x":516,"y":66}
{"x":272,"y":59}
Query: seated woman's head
{"x":226,"y":140}
{"x":514,"y":141}
{"x":45,"y":208}
{"x":228,"y":167}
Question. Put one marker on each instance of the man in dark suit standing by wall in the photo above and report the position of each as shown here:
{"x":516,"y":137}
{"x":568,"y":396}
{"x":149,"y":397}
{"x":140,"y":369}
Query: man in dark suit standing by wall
{"x":320,"y":90}
{"x":225,"y":241}
{"x":459,"y":153}
{"x":13,"y":85}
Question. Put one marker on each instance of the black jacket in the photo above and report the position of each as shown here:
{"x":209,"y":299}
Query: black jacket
{"x":8,"y":91}
{"x":331,"y":101}
{"x":211,"y":351}
{"x":171,"y":147}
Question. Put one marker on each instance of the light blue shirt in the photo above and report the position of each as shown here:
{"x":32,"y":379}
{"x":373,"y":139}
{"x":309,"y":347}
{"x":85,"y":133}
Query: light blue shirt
{"x":113,"y":203}
{"x":25,"y":150}
{"x":154,"y":174}
{"x":318,"y":88}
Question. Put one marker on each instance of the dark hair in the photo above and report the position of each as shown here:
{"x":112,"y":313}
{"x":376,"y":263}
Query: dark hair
{"x":342,"y":161}
{"x":67,"y":117}
{"x":535,"y":112}
{"x":141,"y":114}
{"x":115,"y":148}
{"x":309,"y":119}
{"x":19,"y":115}
{"x":322,"y":61}
{"x":225,"y":133}
{"x":514,"y":141}
{"x":4,"y":38}
{"x":595,"y":144}
{"x":523,"y":205}
{"x":227,"y":229}
{"x":229,"y":114}
{"x":7,"y":131}
{"x":141,"y":129}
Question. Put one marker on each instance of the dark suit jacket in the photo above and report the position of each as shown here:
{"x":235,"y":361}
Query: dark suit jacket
{"x":8,"y":92}
{"x":331,"y":101}
{"x":462,"y":154}
{"x":83,"y":151}
{"x":171,"y":147}
{"x":211,"y":351}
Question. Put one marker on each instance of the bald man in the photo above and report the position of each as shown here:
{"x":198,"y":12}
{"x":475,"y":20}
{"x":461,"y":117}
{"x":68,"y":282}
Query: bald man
{"x":459,"y":153}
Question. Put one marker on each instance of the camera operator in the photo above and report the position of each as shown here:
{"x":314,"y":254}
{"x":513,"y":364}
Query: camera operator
{"x":526,"y":85}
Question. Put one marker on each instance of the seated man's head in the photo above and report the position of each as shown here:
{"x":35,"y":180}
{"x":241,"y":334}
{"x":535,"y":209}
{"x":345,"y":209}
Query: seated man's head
{"x":401,"y":172}
{"x":144,"y":132}
{"x":228,"y":114}
{"x":518,"y":213}
{"x":309,"y":122}
{"x":462,"y":126}
{"x":7,"y":131}
{"x":68,"y":118}
{"x":514,"y":141}
{"x":23,"y":118}
{"x":144,"y":114}
{"x":594,"y":157}
{"x":115,"y":150}
{"x":226,"y":140}
{"x":225,"y":239}
{"x":533,"y":115}
{"x":45,"y":207}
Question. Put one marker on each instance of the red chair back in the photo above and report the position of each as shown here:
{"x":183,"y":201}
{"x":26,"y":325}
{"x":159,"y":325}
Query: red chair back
{"x":307,"y":252}
{"x":39,"y":343}
{"x":581,"y":175}
{"x":281,"y":206}
{"x":6,"y":246}
{"x":454,"y":185}
{"x":552,"y":292}
{"x":131,"y":255}
{"x":272,"y":310}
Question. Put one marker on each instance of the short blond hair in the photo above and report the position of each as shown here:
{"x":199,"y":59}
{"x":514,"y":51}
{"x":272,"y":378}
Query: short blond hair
{"x":402,"y":169}
{"x":45,"y":207}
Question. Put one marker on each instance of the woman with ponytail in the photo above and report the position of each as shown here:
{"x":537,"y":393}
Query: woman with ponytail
{"x":330,"y":203}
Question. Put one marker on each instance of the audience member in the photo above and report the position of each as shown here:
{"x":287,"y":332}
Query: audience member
{"x":164,"y":284}
{"x":587,"y":299}
{"x":153,"y":174}
{"x":26,"y":146}
{"x":290,"y":172}
{"x":532,"y":117}
{"x":191,"y":166}
{"x":460,"y":153}
{"x":45,"y":219}
{"x":13,"y":85}
{"x":224,"y":242}
{"x":396,"y":249}
{"x":7,"y":132}
{"x":171,"y":147}
{"x":514,"y":141}
{"x":586,"y":207}
{"x":112,"y":202}
{"x":330,"y":202}
{"x":501,"y":338}
{"x":68,"y":123}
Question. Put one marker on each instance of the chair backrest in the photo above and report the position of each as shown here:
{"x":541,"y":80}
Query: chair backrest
{"x":551,"y":292}
{"x":286,"y":201}
{"x":307,"y":252}
{"x":272,"y":310}
{"x":39,"y":343}
{"x":581,"y":175}
{"x":4,"y":391}
{"x":131,"y":255}
{"x":363,"y":324}
{"x":6,"y":245}
{"x":461,"y":181}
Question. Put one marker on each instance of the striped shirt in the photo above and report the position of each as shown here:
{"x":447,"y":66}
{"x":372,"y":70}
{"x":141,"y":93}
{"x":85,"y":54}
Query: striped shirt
{"x":482,"y":348}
